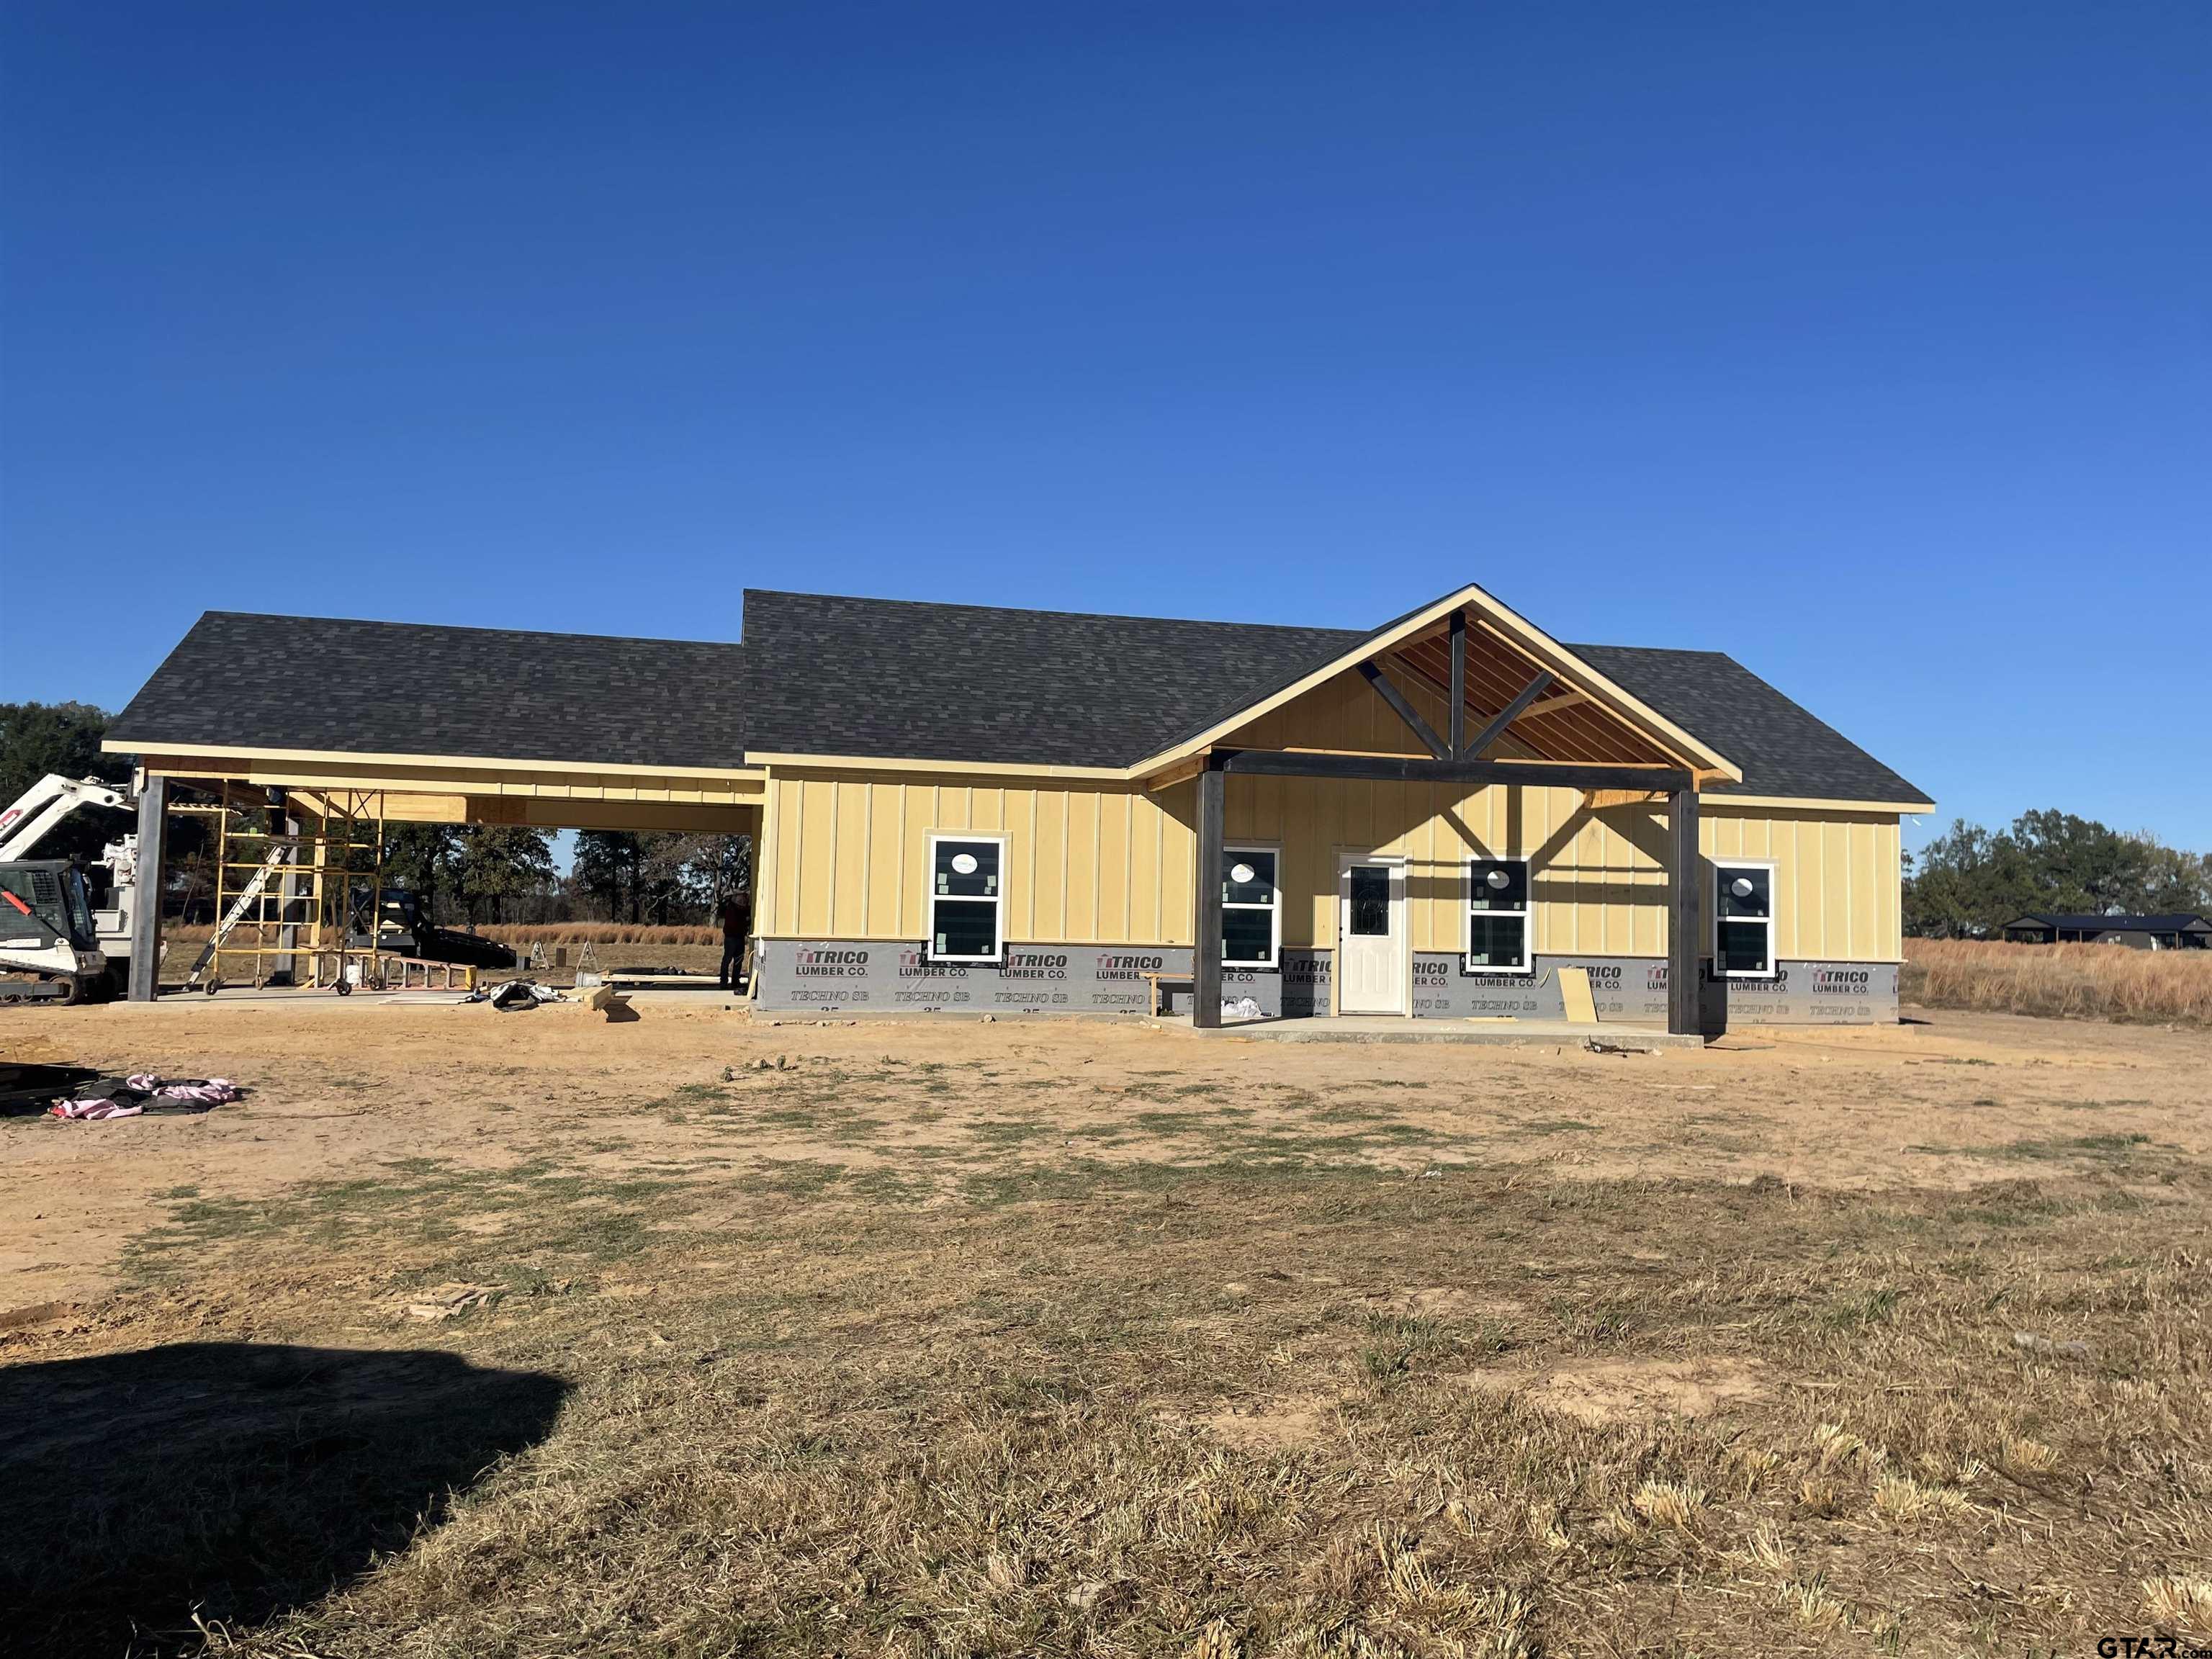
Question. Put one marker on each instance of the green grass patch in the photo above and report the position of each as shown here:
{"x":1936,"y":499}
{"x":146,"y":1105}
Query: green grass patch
{"x":1877,"y":1306}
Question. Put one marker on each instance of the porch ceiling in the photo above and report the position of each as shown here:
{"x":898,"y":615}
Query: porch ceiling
{"x":1565,"y":724}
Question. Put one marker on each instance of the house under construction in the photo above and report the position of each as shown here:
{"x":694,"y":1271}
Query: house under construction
{"x":962,"y":808}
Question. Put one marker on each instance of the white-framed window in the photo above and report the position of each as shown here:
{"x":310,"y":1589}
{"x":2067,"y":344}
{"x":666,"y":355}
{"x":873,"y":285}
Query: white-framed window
{"x":1498,"y":931}
{"x":967,"y":898}
{"x":1251,"y":908}
{"x":1743,"y":920}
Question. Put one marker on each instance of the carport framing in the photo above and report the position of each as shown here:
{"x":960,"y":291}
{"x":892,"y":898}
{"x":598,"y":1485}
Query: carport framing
{"x":439,"y":789}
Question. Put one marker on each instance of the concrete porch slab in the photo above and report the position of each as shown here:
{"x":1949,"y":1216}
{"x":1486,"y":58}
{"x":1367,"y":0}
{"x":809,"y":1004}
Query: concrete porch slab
{"x":1383,"y":1028}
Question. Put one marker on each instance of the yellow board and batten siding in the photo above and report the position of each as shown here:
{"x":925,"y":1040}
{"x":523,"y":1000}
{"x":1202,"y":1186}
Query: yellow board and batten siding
{"x":848,"y":858}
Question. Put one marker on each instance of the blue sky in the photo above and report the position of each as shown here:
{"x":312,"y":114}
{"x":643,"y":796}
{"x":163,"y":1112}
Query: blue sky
{"x":1868,"y":343}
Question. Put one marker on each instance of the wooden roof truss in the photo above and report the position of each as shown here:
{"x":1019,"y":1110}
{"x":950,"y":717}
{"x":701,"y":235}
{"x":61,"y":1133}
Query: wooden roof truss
{"x":1516,"y":703}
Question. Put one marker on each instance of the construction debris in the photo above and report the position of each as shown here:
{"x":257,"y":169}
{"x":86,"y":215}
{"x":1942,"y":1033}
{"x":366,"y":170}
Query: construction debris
{"x":605,"y":1000}
{"x":517,"y":993}
{"x":1575,"y":997}
{"x":210,"y":1091}
{"x":451,"y":1300}
{"x":91,"y":1110}
{"x":144,"y":1091}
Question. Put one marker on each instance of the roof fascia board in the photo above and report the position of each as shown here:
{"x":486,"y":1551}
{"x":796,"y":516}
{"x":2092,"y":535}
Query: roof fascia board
{"x":358,"y":757}
{"x":1503,"y":621}
{"x":756,"y":764}
{"x":797,"y":761}
{"x":1711,"y":801}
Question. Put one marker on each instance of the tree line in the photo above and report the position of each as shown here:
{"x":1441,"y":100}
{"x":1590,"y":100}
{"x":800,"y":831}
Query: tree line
{"x":466,"y":873}
{"x":39,"y":738}
{"x":481,"y":873}
{"x":1968,"y":882}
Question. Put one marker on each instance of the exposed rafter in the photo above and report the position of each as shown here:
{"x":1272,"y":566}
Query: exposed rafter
{"x":1554,"y":705}
{"x":1611,"y":723}
{"x":1574,"y":727}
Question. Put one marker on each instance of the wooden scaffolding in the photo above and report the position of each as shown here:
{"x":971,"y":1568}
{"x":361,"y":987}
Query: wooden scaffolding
{"x":299,"y":897}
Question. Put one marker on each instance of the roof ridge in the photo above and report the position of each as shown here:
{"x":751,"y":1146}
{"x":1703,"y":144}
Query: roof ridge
{"x":1063,"y":616}
{"x":1195,"y":622}
{"x":470,"y":628}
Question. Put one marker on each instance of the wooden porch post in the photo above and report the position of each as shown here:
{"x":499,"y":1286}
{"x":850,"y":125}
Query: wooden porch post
{"x":1205,"y":943}
{"x":1685,"y":931}
{"x":146,"y":894}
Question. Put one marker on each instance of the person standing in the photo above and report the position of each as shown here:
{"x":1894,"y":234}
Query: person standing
{"x":735,"y":912}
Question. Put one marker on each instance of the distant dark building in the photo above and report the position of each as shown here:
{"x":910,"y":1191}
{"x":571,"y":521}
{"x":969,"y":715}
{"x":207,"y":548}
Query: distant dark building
{"x":2173,"y":932}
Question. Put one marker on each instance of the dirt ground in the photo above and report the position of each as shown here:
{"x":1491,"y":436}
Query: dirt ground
{"x":533,"y":1333}
{"x":340,"y":1088}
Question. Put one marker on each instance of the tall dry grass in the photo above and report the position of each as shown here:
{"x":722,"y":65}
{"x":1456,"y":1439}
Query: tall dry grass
{"x":526,"y":933}
{"x":2061,"y":981}
{"x":601,"y":932}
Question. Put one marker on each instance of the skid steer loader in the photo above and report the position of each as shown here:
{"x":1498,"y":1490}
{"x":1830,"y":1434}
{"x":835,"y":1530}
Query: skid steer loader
{"x":110,"y":881}
{"x":49,"y":950}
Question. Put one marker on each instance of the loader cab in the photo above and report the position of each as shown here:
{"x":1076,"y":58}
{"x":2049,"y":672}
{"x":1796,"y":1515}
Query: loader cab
{"x":44,"y":903}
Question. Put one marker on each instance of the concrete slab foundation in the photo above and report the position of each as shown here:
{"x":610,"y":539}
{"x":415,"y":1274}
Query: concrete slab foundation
{"x":1362,"y":1028}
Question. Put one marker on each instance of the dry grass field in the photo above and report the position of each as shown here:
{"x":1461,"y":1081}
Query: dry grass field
{"x":2061,"y":981}
{"x":481,"y":1333}
{"x":526,"y":933}
{"x":602,"y":932}
{"x":615,"y":945}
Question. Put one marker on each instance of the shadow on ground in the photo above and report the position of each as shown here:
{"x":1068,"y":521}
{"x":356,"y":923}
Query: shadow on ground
{"x":230,"y":1480}
{"x":27,"y":1090}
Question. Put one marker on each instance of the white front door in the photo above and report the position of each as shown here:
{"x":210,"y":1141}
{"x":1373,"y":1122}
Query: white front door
{"x":1370,"y":936}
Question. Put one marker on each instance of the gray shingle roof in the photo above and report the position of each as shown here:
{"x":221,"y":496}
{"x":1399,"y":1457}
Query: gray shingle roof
{"x":823,"y":675}
{"x":829,"y":676}
{"x":1784,"y":748}
{"x":977,"y":682}
{"x":239,"y":680}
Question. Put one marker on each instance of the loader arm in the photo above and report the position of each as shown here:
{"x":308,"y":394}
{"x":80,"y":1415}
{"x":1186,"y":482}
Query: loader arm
{"x":45,"y":804}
